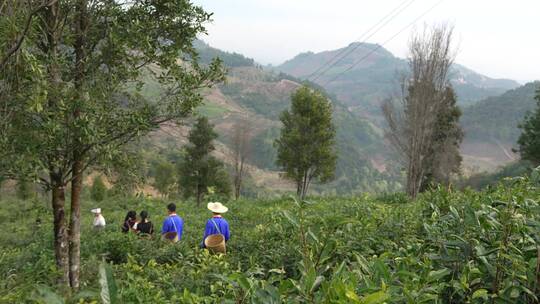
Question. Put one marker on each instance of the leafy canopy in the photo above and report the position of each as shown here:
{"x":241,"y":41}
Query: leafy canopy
{"x":199,"y":171}
{"x":79,"y":91}
{"x":529,"y":140}
{"x":305,"y":148}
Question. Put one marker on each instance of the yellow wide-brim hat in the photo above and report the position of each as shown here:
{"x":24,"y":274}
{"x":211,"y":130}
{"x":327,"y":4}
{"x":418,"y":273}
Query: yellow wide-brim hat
{"x":217,"y":207}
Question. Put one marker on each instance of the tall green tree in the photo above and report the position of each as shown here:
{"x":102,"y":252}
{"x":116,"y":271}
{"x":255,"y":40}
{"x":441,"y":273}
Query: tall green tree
{"x":529,"y":140}
{"x":305,"y":148}
{"x":72,"y":76}
{"x":444,"y":158}
{"x":200,"y":171}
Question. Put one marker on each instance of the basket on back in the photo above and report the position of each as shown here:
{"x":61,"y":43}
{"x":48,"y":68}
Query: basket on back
{"x":171,"y":236}
{"x":215,"y":243}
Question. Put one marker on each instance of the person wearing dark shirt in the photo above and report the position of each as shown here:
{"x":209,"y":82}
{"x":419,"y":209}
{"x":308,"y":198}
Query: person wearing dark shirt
{"x":173,"y":225}
{"x":144,"y":226}
{"x":129,"y":221}
{"x":217,"y":224}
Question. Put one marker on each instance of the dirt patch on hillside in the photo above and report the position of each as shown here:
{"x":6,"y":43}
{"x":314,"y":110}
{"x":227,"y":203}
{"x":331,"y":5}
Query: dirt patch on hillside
{"x":486,"y":156}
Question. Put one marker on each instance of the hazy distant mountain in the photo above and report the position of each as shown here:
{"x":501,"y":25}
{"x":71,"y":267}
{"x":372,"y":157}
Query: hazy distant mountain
{"x":376,"y":77}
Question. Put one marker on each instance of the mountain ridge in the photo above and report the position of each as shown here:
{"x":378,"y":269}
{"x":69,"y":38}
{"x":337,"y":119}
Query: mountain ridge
{"x":366,"y":85}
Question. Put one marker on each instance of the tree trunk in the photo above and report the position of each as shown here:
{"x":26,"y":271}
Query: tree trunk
{"x":77,"y":167}
{"x":304,"y":186}
{"x":75,"y":226}
{"x":237,"y":185}
{"x":199,"y":196}
{"x":414,"y":178}
{"x":60,"y":233}
{"x":237,"y":191}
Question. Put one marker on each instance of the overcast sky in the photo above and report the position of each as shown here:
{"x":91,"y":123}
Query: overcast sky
{"x":499,"y":38}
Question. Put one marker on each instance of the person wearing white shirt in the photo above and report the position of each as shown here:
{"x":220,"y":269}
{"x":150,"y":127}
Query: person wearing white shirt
{"x":99,"y":220}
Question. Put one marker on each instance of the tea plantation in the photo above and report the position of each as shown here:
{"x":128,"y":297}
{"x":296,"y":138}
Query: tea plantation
{"x":445,"y":247}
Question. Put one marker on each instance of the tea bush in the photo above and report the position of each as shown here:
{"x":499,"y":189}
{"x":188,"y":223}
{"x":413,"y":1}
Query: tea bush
{"x":445,"y":247}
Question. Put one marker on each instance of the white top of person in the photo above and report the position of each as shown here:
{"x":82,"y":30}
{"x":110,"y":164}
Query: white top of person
{"x":99,"y":220}
{"x":217,"y":207}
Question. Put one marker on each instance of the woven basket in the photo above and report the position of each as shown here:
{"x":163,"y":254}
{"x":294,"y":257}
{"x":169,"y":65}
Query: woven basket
{"x":215,"y":243}
{"x":171,"y":236}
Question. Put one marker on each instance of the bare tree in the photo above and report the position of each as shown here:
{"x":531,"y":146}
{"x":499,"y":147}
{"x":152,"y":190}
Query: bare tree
{"x":241,"y":149}
{"x":412,"y":121}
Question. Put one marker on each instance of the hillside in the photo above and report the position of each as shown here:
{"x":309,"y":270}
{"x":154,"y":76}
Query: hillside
{"x":259,"y":96}
{"x":364,"y":87}
{"x":491,"y":127}
{"x":498,"y":117}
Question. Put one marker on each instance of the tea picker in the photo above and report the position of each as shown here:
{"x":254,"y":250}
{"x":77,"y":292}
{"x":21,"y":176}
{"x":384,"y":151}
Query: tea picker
{"x":216,"y":233}
{"x":173,"y":225}
{"x":99,"y":220}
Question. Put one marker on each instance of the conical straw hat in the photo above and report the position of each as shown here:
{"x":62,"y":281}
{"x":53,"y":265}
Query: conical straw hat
{"x":217,"y":207}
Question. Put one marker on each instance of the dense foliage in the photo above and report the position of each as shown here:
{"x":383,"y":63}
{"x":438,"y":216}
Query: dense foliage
{"x":484,"y":179}
{"x":446,"y":247}
{"x":529,"y":140}
{"x":98,"y":191}
{"x":199,"y":171}
{"x":305,"y":147}
{"x":444,"y":158}
{"x":73,"y":85}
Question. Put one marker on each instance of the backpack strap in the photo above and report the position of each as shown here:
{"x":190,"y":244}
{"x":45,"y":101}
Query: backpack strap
{"x":175,"y":229}
{"x":216,"y":225}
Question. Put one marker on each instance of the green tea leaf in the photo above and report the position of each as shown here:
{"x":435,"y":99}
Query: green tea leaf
{"x":480,"y":293}
{"x":109,"y":291}
{"x":375,"y":298}
{"x":436,"y":275}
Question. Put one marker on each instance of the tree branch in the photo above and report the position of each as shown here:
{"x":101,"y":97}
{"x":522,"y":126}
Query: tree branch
{"x":20,"y":41}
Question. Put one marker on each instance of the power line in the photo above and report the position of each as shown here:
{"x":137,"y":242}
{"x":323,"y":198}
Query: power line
{"x":385,"y":42}
{"x":400,"y":8}
{"x":359,"y":38}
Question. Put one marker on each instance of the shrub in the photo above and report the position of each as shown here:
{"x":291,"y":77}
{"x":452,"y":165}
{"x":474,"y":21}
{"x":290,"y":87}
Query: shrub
{"x":98,"y":190}
{"x":25,"y":190}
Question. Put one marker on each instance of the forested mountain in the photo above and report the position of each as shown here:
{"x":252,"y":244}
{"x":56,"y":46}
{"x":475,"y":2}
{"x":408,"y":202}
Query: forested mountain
{"x":259,"y":96}
{"x":498,"y":117}
{"x":364,"y":86}
{"x":207,"y":53}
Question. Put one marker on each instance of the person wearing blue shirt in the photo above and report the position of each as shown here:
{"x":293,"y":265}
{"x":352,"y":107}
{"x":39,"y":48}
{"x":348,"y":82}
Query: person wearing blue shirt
{"x":217,"y":224}
{"x":173,"y":225}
